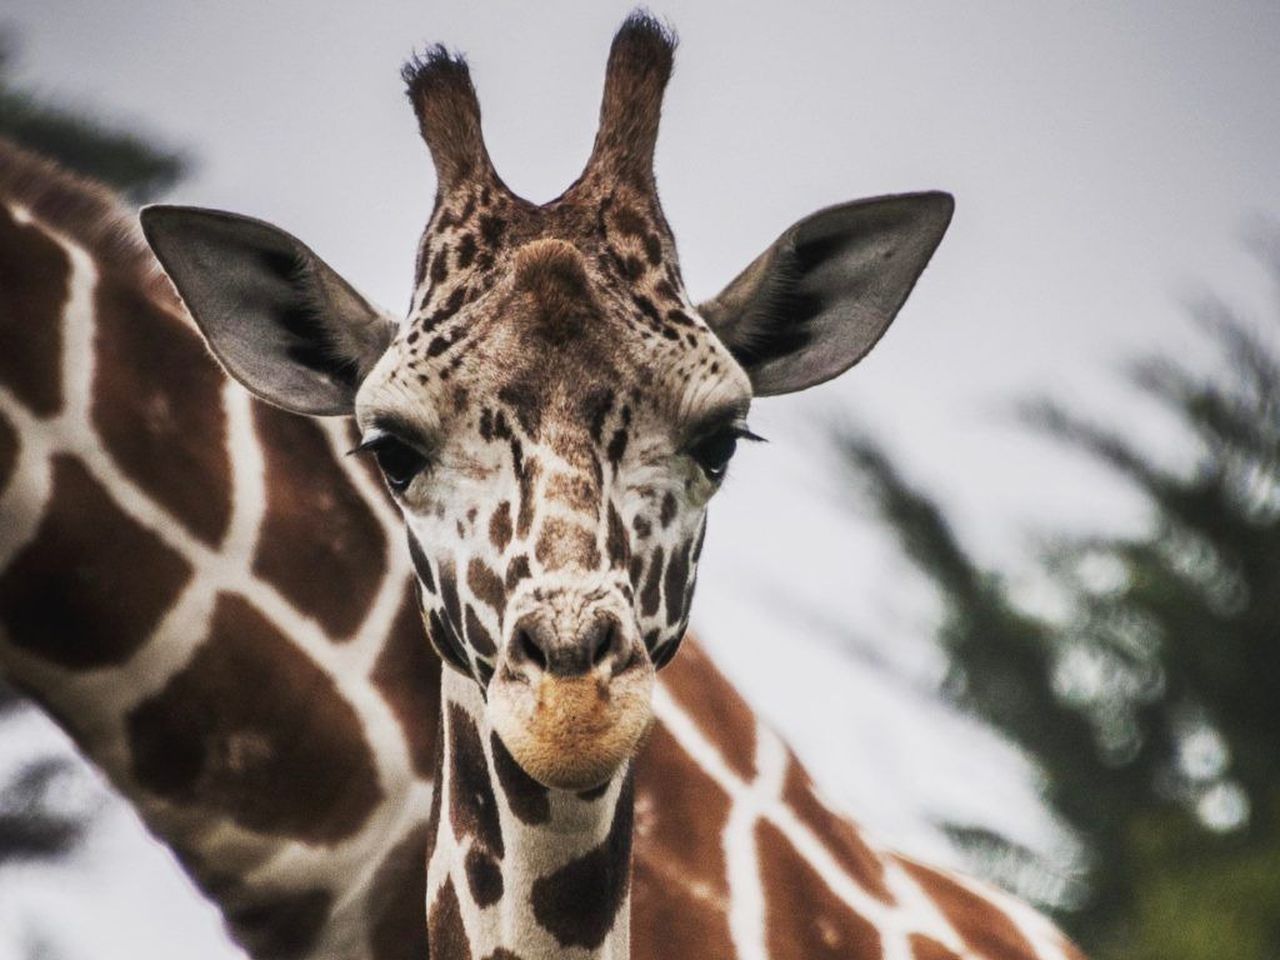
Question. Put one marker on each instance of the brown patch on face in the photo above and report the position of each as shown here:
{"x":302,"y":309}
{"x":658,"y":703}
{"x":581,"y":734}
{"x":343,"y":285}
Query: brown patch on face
{"x":720,"y":713}
{"x":666,"y":921}
{"x":452,"y":601}
{"x":562,"y":544}
{"x":617,"y":545}
{"x":676,"y":585}
{"x":668,"y":511}
{"x":408,"y":677}
{"x":284,"y":924}
{"x":651,"y":595}
{"x":444,"y":927}
{"x":34,"y":283}
{"x":320,"y":545}
{"x":420,"y":563}
{"x":157,"y":403}
{"x":528,"y":482}
{"x":486,"y":585}
{"x":480,"y":639}
{"x":500,"y":526}
{"x":837,"y":834}
{"x":517,"y":570}
{"x":397,"y":910}
{"x":92,"y":585}
{"x":473,"y":809}
{"x":574,"y":491}
{"x":984,"y":927}
{"x":553,"y":274}
{"x":529,"y":800}
{"x":687,"y":812}
{"x":804,"y":920}
{"x":253,"y":730}
{"x":579,"y":903}
{"x":926,"y":948}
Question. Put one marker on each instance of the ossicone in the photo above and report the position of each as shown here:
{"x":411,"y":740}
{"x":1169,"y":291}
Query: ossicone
{"x":439,"y":86}
{"x":640,"y":63}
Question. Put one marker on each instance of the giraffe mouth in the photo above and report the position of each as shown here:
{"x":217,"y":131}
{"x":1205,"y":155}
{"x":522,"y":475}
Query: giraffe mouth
{"x":573,"y":733}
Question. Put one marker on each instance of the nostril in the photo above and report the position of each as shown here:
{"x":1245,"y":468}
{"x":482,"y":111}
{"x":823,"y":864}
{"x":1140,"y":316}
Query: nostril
{"x":530,"y":650}
{"x":604,"y":643}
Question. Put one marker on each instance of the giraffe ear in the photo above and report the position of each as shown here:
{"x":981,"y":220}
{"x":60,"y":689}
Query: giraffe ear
{"x":279,"y":318}
{"x":814,"y":303}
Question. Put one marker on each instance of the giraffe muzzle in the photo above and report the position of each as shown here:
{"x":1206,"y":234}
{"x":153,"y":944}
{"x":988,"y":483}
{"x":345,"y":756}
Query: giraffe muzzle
{"x":572,"y":705}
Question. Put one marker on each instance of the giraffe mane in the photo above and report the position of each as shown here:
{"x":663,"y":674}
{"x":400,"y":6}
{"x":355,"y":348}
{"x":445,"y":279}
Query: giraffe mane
{"x":85,"y":210}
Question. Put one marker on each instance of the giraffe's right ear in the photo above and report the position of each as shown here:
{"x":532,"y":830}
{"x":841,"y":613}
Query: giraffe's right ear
{"x":279,"y":318}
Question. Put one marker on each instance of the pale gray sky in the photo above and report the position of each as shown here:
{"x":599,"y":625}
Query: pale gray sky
{"x":1105,"y":160}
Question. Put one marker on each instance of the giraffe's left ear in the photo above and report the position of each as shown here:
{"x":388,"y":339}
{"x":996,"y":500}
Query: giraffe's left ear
{"x":280,"y":319}
{"x":814,"y":303}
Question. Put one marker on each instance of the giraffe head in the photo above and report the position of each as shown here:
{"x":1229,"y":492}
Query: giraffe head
{"x":554,"y":414}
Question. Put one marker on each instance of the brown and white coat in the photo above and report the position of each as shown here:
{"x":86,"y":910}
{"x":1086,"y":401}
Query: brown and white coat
{"x":218,"y":605}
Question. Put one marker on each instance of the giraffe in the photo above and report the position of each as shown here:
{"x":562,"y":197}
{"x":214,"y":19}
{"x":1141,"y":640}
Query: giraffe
{"x":254,"y":681}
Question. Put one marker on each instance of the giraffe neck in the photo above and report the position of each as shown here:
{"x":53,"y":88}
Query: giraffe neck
{"x":514,"y":866}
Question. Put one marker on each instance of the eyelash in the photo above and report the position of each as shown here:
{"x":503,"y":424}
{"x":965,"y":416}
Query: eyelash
{"x":399,"y":462}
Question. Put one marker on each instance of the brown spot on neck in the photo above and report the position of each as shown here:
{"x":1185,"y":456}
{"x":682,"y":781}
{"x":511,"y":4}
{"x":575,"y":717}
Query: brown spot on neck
{"x":839,"y":836}
{"x":8,"y":452}
{"x":529,"y":800}
{"x":408,"y":677}
{"x":157,"y":403}
{"x":320,"y":543}
{"x":716,"y":707}
{"x":397,"y":914}
{"x":445,"y":931}
{"x":253,"y":730}
{"x":983,"y":926}
{"x":803,"y":919}
{"x":473,"y":809}
{"x":686,"y":812}
{"x":579,"y":903}
{"x":69,"y":595}
{"x":34,"y":284}
{"x":283,"y":923}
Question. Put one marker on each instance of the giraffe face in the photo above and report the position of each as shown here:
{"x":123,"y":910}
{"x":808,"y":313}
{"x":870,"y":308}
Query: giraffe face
{"x":554,"y":414}
{"x":552,"y":419}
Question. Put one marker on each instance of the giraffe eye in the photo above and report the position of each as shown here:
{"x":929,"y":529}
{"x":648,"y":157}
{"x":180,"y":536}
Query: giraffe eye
{"x":714,"y":452}
{"x":398,"y":461}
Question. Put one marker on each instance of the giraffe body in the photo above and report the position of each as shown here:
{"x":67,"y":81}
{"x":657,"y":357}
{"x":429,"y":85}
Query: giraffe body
{"x":256,"y":682}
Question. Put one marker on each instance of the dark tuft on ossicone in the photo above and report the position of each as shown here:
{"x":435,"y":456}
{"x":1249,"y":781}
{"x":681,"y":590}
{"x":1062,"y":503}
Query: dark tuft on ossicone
{"x":433,"y":70}
{"x":646,"y":39}
{"x":439,"y":86}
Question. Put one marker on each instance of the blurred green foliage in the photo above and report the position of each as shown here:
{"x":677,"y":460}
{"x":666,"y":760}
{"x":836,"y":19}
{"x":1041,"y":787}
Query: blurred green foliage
{"x":132,"y":164}
{"x":1152,"y":703}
